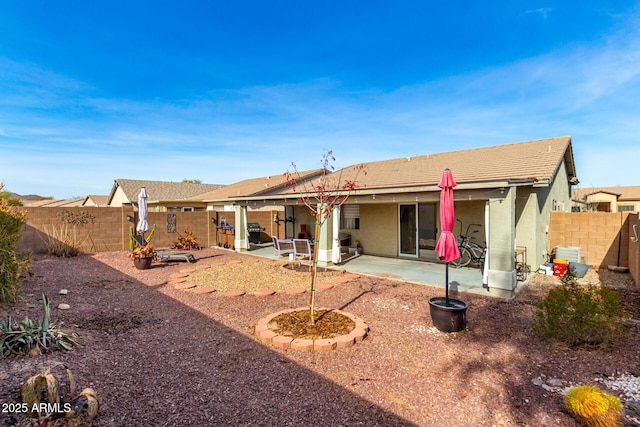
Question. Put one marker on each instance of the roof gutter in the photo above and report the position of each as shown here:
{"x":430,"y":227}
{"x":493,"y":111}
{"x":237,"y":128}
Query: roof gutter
{"x":387,"y":190}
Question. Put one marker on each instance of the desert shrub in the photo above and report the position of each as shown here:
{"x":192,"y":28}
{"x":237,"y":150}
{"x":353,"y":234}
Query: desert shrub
{"x":33,"y":337}
{"x":62,"y":240}
{"x":43,"y":398}
{"x":188,"y":241}
{"x":13,"y":263}
{"x":592,"y":407}
{"x":588,"y":315}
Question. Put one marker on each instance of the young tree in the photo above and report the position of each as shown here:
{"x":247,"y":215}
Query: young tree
{"x":321,"y":196}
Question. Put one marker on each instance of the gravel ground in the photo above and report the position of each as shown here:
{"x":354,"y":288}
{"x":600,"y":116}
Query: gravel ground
{"x":158,"y":356}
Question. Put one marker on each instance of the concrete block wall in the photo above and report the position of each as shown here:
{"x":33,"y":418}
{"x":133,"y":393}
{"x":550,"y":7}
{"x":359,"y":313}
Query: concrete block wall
{"x":101,"y":234}
{"x":634,"y":247}
{"x":603,"y":237}
{"x":109,"y":230}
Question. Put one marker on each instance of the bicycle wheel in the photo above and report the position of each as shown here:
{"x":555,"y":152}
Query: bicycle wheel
{"x":464,"y":260}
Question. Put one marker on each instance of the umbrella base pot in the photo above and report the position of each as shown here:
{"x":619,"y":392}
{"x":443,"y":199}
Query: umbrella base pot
{"x":448,"y":318}
{"x":142,"y":263}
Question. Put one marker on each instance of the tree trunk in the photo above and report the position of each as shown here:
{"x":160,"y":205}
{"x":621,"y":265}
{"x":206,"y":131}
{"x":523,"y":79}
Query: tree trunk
{"x":314,"y":265}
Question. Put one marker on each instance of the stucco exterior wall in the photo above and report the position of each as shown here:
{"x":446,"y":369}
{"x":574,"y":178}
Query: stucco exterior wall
{"x":378,"y":231}
{"x":469,"y":212}
{"x":118,"y":198}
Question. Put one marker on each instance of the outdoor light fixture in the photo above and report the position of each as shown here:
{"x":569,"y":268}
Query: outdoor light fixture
{"x":286,"y":220}
{"x":129,"y":218}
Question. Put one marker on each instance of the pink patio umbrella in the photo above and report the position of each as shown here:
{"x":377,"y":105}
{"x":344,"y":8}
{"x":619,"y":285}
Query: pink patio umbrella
{"x":447,"y":248}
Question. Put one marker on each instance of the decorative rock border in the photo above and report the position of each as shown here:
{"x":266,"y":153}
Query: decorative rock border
{"x":267,"y":336}
{"x":264,"y":292}
{"x":177,"y":280}
{"x":234,"y":293}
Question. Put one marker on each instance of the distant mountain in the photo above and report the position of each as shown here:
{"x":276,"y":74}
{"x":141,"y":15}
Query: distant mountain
{"x":27,"y":198}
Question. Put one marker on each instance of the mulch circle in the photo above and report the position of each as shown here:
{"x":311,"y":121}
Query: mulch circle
{"x":290,"y":329}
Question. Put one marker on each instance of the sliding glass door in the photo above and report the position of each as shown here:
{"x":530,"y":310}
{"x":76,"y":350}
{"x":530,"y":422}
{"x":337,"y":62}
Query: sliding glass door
{"x":417,"y":232}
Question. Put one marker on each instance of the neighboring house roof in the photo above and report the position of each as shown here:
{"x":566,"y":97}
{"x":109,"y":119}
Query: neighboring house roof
{"x":96,"y":200}
{"x":160,"y":190}
{"x":252,"y":187}
{"x":52,"y":203}
{"x":624,"y":193}
{"x":530,"y":162}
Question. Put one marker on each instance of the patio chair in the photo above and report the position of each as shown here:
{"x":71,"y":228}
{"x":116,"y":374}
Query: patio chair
{"x":171,"y":255}
{"x":282,"y":246}
{"x":302,"y":250}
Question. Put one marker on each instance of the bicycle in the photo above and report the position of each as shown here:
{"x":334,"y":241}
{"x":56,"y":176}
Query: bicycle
{"x":469,"y":251}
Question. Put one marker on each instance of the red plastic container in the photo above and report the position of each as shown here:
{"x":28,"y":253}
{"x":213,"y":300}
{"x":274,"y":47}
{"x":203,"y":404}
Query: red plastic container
{"x":559,"y":267}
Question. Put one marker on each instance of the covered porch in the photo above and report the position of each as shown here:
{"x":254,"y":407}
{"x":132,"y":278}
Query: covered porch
{"x":466,"y":279}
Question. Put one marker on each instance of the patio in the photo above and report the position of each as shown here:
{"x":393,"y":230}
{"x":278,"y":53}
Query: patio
{"x":466,"y":279}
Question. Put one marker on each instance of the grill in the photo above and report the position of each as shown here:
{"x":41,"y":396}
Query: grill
{"x":254,"y":230}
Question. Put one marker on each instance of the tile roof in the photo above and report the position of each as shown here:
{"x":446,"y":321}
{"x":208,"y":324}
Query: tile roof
{"x":623,"y":192}
{"x":55,"y":203}
{"x":535,"y":162}
{"x":252,"y":187}
{"x":161,"y":190}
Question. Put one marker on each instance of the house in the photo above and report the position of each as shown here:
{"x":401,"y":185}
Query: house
{"x":95,"y":200}
{"x":606,"y":199}
{"x":507,"y":190}
{"x":164,"y":196}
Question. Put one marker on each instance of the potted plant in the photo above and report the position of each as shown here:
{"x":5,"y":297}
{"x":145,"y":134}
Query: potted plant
{"x":142,"y":256}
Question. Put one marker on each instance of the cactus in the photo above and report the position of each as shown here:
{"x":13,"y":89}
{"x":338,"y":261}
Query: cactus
{"x":153,"y":230}
{"x":130,"y":239}
{"x":592,"y":407}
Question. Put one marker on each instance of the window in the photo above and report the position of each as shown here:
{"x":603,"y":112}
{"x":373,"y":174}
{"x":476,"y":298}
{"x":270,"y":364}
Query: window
{"x":626,"y":208}
{"x":350,"y":218}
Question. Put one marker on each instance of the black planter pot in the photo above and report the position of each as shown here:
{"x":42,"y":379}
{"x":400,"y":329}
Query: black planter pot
{"x":448,"y":318}
{"x":142,"y":263}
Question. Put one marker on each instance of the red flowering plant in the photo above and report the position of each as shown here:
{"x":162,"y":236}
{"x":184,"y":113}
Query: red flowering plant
{"x":321,"y":196}
{"x":145,"y":251}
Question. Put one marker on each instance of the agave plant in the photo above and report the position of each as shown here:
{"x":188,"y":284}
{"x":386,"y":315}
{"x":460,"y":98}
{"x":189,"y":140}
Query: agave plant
{"x":33,"y":337}
{"x":42,"y":397}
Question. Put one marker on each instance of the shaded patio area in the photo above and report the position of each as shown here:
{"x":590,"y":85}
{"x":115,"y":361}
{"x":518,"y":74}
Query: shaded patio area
{"x":465,"y":279}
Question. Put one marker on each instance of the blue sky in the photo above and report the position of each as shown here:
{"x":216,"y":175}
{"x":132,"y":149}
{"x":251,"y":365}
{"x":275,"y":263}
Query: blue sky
{"x":225,"y":91}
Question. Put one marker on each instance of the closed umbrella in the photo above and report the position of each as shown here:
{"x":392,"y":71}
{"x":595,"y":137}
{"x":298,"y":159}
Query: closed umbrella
{"x":447,"y":248}
{"x":143,"y":225}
